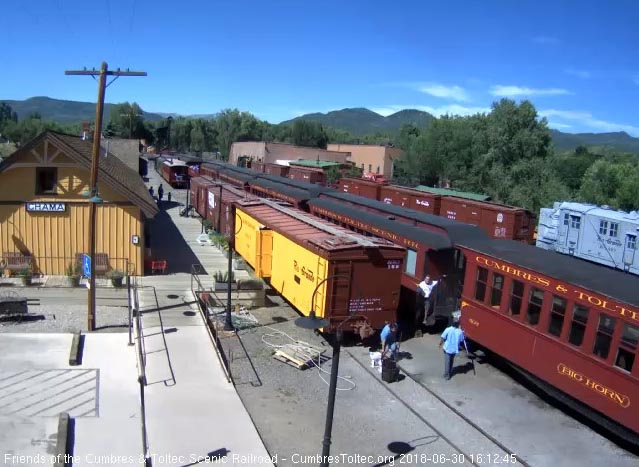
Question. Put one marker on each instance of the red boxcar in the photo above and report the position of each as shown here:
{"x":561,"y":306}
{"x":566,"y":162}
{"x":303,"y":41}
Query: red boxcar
{"x":308,"y":175}
{"x":276,"y":169}
{"x":360,"y":187}
{"x":498,"y":220}
{"x":175,"y":172}
{"x":412,"y":199}
{"x":572,"y":324}
{"x":218,"y":208}
{"x":258,"y":166}
{"x":199,"y":194}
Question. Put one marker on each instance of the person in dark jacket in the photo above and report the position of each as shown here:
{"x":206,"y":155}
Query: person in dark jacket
{"x":160,"y":192}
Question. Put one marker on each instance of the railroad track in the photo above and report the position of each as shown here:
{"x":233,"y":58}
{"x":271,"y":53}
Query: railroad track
{"x":498,"y":451}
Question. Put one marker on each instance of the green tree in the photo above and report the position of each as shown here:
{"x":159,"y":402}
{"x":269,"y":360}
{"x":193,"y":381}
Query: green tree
{"x":307,"y":133}
{"x":515,"y":132}
{"x":127,"y":121}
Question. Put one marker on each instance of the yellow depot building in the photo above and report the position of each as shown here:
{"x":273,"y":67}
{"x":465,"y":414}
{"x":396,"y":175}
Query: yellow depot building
{"x":44,"y":210}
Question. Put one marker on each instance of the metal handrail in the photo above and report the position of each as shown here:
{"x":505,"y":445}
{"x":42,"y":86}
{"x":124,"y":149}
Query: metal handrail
{"x":211,"y":325}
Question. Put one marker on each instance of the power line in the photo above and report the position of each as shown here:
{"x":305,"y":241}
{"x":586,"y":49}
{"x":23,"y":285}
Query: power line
{"x":93,"y":184}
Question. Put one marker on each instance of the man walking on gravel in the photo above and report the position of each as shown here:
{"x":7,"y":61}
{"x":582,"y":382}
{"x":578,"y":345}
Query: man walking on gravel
{"x":452,"y":338}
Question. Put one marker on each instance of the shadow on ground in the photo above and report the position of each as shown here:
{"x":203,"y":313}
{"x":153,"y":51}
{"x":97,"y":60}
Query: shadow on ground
{"x":167,"y":243}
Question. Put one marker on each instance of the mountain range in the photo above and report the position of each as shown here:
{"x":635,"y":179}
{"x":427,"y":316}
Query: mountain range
{"x":357,"y":121}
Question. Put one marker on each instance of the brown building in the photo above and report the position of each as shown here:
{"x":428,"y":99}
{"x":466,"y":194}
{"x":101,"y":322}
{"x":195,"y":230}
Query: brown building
{"x":273,"y":153}
{"x":44,"y":210}
{"x":370,"y":158}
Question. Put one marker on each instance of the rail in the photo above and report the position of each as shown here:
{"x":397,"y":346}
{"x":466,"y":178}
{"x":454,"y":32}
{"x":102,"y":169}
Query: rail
{"x":211,"y":325}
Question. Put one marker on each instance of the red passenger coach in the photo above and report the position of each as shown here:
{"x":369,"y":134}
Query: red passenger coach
{"x":569,"y":323}
{"x":175,"y":172}
{"x":500,"y":221}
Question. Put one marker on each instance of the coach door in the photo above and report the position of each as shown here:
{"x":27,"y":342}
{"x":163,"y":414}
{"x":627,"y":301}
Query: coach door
{"x":629,"y":250}
{"x":573,"y":228}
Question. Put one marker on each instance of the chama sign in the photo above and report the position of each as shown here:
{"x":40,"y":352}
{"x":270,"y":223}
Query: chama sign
{"x":46,"y":207}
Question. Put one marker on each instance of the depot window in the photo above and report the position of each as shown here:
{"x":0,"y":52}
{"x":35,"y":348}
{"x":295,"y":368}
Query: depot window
{"x":46,"y":180}
{"x":557,"y":314}
{"x":627,"y":347}
{"x":411,"y":262}
{"x":516,"y":297}
{"x":578,"y":325}
{"x":535,"y":302}
{"x":614,"y":229}
{"x":480,"y":284}
{"x":496,"y":289}
{"x":604,"y":335}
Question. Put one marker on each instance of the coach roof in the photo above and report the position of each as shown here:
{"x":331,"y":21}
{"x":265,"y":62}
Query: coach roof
{"x":434,"y":240}
{"x":607,"y":281}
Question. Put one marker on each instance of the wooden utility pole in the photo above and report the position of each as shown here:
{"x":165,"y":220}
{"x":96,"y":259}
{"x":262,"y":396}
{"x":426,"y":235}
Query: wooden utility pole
{"x":95,"y":162}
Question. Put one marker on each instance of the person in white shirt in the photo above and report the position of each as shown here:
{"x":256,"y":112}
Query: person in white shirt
{"x":426,"y":290}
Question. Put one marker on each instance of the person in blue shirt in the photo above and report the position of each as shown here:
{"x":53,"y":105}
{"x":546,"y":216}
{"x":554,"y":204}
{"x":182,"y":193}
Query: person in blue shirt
{"x":389,"y":340}
{"x":452,"y":338}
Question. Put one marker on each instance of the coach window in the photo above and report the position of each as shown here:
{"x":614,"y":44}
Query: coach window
{"x":557,"y":314}
{"x":575,"y":222}
{"x":604,"y":335}
{"x":578,"y":325}
{"x":614,"y":229}
{"x":627,"y":347}
{"x":566,"y":217}
{"x":480,"y":284}
{"x":603,"y":227}
{"x":516,"y":297}
{"x":631,"y":242}
{"x":496,"y":289}
{"x":411,"y":261}
{"x":535,"y":302}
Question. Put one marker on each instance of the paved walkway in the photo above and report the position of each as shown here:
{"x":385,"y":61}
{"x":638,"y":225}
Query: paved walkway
{"x":192,"y":410}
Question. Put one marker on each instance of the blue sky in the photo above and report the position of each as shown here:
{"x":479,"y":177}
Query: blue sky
{"x":577,"y":61}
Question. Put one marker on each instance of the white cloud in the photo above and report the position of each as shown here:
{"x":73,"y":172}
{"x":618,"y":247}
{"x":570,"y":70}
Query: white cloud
{"x":587,"y":119}
{"x":512,"y":91}
{"x":583,"y":74}
{"x":441,"y":90}
{"x":559,"y":126}
{"x":450,"y":109}
{"x":546,"y":40}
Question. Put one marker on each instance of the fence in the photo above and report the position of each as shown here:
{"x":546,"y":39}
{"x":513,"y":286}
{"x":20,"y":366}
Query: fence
{"x":70,"y":266}
{"x":206,"y":297}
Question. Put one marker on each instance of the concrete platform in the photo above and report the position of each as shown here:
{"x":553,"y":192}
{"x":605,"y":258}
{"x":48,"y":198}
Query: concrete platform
{"x":36,"y":384}
{"x":192,"y":410}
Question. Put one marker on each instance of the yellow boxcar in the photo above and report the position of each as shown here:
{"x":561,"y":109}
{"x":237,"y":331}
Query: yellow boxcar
{"x":345,"y":275}
{"x":253,"y":242}
{"x":297,"y":272}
